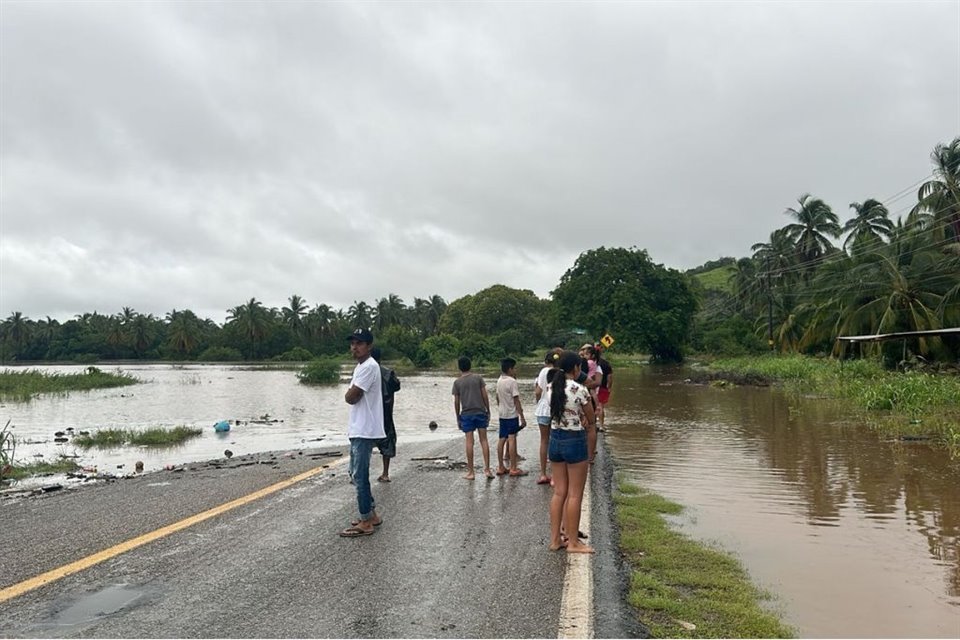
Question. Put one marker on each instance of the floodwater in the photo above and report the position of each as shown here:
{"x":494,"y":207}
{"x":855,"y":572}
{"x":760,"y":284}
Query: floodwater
{"x":276,"y":413}
{"x":855,"y":536}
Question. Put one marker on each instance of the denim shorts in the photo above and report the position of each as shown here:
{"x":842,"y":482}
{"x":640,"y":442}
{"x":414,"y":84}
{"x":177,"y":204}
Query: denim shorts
{"x":473,"y":421}
{"x":509,"y":427}
{"x":543,"y":421}
{"x":567,"y":446}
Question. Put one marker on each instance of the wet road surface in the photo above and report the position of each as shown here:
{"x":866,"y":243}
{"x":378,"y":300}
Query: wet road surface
{"x":453,"y":558}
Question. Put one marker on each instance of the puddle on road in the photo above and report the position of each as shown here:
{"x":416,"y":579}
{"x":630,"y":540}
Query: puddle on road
{"x":95,"y":606}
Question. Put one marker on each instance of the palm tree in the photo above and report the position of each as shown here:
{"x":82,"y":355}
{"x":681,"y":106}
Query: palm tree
{"x":16,"y":330}
{"x":293,"y":314}
{"x":939,"y":199}
{"x":253,"y":320}
{"x":360,"y":314}
{"x":319,"y":321}
{"x":815,"y":224}
{"x":183,"y":331}
{"x":143,"y":333}
{"x":389,"y":311}
{"x":869,"y":228}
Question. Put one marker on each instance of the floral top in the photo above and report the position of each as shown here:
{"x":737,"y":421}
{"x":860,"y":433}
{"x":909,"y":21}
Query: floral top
{"x":577,"y":396}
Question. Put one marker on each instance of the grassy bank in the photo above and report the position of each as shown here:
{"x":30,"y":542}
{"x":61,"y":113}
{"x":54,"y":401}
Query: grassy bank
{"x":154,"y":437}
{"x":20,"y":386}
{"x":914,"y":404}
{"x":684,"y":589}
{"x":61,"y":465}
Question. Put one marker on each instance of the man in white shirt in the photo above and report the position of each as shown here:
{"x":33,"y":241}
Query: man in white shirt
{"x":364,"y":429}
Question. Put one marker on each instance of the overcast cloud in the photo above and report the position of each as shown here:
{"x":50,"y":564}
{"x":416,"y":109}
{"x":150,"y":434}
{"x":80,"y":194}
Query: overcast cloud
{"x":188,"y":155}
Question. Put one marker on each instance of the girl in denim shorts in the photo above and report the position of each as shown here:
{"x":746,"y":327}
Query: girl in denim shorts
{"x":570,"y":411}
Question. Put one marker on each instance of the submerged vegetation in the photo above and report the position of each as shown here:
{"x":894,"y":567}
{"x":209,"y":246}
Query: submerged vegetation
{"x":23,"y":385}
{"x":911,"y":403}
{"x":320,"y":371}
{"x":60,"y":465}
{"x":153,"y":437}
{"x":684,"y":589}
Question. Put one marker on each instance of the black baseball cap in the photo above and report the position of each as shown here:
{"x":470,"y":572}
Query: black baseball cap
{"x":361,"y":335}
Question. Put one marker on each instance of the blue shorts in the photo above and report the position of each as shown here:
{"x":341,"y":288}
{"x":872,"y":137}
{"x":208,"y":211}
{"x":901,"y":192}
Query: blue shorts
{"x":509,"y":427}
{"x":472,"y":421}
{"x":567,"y":446}
{"x":543,"y":421}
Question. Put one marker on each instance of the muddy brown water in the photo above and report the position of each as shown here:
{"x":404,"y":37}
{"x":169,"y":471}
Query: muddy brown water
{"x":854,"y":535}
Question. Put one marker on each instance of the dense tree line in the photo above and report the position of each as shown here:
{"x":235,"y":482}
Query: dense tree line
{"x":802,"y":287}
{"x":644,"y":305}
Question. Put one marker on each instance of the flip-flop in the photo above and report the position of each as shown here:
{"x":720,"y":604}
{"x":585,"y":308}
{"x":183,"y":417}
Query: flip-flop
{"x":518,"y":473}
{"x":543,"y":480}
{"x":382,"y":479}
{"x":490,"y":475}
{"x":355,"y":532}
{"x":357,"y":522}
{"x":502,"y":473}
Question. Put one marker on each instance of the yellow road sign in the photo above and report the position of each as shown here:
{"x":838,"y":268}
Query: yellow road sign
{"x":606,"y":340}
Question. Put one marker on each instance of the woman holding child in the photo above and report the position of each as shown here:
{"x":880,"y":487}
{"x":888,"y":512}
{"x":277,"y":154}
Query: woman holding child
{"x":571,"y":411}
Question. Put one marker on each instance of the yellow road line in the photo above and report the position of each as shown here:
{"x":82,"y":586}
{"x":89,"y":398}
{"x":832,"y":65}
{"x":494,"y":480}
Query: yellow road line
{"x":91,"y":560}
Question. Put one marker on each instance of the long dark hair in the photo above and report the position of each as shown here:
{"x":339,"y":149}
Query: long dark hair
{"x":558,"y":388}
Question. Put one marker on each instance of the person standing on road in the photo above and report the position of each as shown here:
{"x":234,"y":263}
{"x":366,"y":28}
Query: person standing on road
{"x":389,"y":385}
{"x":571,"y":412}
{"x":511,"y":419}
{"x":541,"y":391}
{"x":472,"y":406}
{"x":603,"y":391}
{"x":364,"y":429}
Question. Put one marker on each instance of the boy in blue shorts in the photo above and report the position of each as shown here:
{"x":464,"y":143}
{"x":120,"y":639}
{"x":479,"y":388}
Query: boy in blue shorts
{"x":511,"y":418}
{"x":472,"y":406}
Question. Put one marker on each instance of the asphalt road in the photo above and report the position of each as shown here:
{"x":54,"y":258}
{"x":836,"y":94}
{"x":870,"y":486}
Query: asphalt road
{"x":453,"y":558}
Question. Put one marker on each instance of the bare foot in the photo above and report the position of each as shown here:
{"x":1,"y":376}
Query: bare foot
{"x":374,"y":521}
{"x":489,"y":474}
{"x":383,"y":479}
{"x":556,"y":546}
{"x":469,"y":476}
{"x":579,"y":548}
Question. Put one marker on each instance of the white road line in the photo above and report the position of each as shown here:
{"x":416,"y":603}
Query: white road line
{"x":576,"y":604}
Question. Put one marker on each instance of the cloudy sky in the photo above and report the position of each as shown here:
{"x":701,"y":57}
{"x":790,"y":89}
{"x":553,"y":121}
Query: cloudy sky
{"x":171,"y":155}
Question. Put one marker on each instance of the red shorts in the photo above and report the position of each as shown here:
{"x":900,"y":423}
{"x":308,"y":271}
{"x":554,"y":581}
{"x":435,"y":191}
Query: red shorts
{"x":603,"y":395}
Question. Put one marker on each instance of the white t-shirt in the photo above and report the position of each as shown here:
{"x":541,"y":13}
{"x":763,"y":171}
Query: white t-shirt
{"x":366,"y":416}
{"x":507,"y":390}
{"x":543,"y":406}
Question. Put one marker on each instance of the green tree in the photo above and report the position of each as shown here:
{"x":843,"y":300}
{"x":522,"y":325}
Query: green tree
{"x":184,"y":332}
{"x":815,"y":224}
{"x":645,"y":306}
{"x":938,"y":208}
{"x":360,"y":315}
{"x":494,"y":311}
{"x":293,"y":315}
{"x":253,"y":322}
{"x":869,"y":229}
{"x":16,"y":332}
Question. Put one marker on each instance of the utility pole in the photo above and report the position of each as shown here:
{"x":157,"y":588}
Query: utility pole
{"x":769,"y":308}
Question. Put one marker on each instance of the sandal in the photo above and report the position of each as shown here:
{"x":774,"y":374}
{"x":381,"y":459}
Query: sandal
{"x":355,"y":532}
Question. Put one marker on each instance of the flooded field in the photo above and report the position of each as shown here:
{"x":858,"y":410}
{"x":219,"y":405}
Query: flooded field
{"x":275,"y":411}
{"x":856,"y":536}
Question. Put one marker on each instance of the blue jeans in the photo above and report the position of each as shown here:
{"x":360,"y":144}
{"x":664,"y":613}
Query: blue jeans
{"x":360,"y":452}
